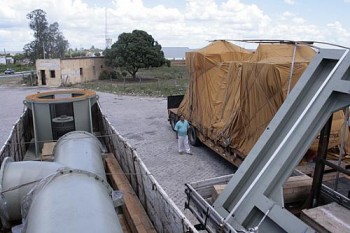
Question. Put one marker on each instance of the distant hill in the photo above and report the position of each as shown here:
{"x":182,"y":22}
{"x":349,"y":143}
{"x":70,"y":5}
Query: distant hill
{"x":176,"y":53}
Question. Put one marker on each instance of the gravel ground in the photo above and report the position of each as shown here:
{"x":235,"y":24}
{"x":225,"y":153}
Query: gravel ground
{"x":143,"y":122}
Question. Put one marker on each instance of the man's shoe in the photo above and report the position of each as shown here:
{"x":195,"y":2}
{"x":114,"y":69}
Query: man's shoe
{"x":181,"y":153}
{"x":189,"y":153}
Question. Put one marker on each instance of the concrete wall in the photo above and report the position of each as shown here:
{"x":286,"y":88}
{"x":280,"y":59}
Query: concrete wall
{"x":3,"y":60}
{"x":48,"y":72}
{"x":69,"y":71}
{"x":81,"y":69}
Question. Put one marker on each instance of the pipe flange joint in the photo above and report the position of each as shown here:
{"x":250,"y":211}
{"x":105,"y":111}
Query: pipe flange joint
{"x":66,"y":170}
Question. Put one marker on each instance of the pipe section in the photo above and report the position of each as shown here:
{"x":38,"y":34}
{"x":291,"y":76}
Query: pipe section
{"x":72,"y":202}
{"x":16,"y":180}
{"x":80,"y":150}
{"x":72,"y":195}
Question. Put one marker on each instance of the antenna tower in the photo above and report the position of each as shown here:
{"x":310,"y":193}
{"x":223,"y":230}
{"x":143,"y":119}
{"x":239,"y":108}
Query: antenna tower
{"x":107,"y":38}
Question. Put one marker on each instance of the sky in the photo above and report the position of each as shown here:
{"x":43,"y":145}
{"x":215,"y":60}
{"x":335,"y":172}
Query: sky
{"x":179,"y":23}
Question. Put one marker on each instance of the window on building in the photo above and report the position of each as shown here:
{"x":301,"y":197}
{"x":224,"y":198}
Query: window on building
{"x":81,"y":71}
{"x":94,"y":70}
{"x":101,"y":66}
{"x":52,"y":74}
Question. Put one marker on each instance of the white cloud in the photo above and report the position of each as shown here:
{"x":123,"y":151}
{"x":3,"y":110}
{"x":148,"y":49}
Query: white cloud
{"x":201,"y":10}
{"x":290,"y":2}
{"x":337,"y":26}
{"x":338,"y":33}
{"x":290,"y":26}
{"x":289,"y":17}
{"x":228,"y":20}
{"x":84,"y":25}
{"x":78,"y":22}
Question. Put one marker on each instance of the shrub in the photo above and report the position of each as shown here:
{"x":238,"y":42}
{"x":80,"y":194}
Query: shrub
{"x":104,"y":75}
{"x":29,"y":80}
{"x":112,"y":75}
{"x":167,"y":63}
{"x":124,"y":73}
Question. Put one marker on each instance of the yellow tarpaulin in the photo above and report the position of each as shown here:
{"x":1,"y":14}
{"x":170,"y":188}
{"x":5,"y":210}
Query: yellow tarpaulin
{"x":234,"y":93}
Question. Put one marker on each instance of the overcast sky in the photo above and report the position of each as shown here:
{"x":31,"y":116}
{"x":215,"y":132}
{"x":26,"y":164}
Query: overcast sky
{"x":185,"y":23}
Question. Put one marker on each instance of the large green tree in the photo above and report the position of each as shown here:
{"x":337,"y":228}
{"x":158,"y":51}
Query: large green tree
{"x":133,"y":51}
{"x":48,"y":42}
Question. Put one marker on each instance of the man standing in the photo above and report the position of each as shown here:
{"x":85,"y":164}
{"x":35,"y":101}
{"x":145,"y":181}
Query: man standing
{"x":181,"y":129}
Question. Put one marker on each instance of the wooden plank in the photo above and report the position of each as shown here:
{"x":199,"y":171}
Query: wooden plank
{"x":123,"y":223}
{"x":308,"y":168}
{"x":212,"y":181}
{"x":297,"y":188}
{"x":47,"y":151}
{"x":134,"y":212}
{"x":334,"y":156}
{"x":328,"y":218}
{"x":332,"y":176}
{"x":217,"y":189}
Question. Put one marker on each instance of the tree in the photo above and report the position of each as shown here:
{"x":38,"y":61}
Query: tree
{"x":56,"y":44}
{"x":18,"y":57}
{"x":48,"y":42}
{"x":133,"y":51}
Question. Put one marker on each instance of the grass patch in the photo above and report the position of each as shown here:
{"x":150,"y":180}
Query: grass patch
{"x":164,"y":72}
{"x":162,"y":81}
{"x":16,"y":67}
{"x":158,"y":82}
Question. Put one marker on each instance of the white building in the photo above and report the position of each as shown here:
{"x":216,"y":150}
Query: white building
{"x":67,"y":71}
{"x":3,"y":60}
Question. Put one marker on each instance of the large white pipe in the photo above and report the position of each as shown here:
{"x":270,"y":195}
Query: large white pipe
{"x":75,"y":198}
{"x":80,"y":150}
{"x":72,"y":202}
{"x":78,"y":199}
{"x":16,"y":180}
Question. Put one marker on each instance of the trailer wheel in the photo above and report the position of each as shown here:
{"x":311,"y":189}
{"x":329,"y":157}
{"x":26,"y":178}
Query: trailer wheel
{"x":173,"y":121}
{"x":192,"y":137}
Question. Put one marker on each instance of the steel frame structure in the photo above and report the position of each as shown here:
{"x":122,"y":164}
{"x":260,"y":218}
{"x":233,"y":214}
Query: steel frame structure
{"x":253,"y":197}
